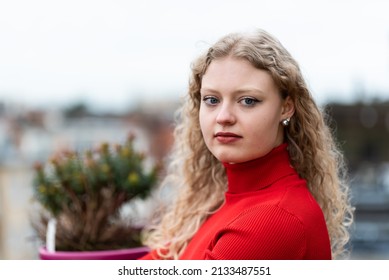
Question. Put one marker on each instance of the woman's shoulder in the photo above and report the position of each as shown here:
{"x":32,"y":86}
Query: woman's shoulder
{"x":299,"y":201}
{"x":292,"y":203}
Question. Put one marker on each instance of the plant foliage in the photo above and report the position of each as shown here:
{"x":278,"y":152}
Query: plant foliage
{"x":86,"y":192}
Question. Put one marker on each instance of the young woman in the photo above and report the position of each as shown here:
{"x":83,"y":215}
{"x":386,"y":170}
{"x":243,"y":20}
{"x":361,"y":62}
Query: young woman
{"x":257,"y":172}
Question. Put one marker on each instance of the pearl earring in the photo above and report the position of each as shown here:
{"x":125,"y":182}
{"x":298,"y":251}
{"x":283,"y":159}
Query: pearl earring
{"x":285,"y":122}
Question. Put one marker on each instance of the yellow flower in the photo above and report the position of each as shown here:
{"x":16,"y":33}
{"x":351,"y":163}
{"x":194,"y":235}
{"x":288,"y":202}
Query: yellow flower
{"x":105,"y":168}
{"x":125,"y":152}
{"x":133,"y":178}
{"x":42,"y":189}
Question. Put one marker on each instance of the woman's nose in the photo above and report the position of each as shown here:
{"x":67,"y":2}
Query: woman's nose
{"x":226,"y":115}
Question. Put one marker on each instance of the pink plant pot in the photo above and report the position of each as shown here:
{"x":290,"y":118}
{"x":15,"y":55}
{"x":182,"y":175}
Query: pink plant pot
{"x":120,"y":254}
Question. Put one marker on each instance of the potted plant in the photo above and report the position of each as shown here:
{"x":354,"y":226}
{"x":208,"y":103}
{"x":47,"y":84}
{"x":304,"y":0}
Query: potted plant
{"x":81,"y":197}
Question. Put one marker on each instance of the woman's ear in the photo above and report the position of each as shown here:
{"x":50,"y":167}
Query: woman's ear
{"x":287,"y":108}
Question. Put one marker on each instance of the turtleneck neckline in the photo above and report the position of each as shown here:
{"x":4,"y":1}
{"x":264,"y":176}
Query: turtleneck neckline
{"x":259,"y":173}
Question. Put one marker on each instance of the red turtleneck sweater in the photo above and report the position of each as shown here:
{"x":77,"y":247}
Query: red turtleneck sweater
{"x":269,"y":213}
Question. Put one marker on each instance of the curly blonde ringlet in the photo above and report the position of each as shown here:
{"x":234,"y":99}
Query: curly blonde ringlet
{"x":200,"y":178}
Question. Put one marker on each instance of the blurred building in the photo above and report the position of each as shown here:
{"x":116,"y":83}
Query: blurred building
{"x":362,"y":130}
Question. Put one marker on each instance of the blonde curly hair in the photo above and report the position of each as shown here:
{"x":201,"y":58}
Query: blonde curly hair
{"x":199,"y":178}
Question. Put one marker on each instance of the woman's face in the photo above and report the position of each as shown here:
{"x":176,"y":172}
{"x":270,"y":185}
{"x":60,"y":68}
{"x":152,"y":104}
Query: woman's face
{"x":241,"y":111}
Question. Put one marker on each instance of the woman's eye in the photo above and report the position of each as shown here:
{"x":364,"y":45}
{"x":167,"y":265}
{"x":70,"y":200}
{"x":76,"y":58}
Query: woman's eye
{"x":248,"y":101}
{"x":209,"y":100}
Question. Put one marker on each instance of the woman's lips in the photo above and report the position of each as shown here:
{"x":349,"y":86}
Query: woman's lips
{"x":227,"y":137}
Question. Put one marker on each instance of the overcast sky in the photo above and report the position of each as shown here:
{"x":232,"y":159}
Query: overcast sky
{"x":106,"y":52}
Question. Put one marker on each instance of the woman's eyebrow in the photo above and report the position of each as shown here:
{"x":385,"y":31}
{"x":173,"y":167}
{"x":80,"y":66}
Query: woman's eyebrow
{"x":238,"y":91}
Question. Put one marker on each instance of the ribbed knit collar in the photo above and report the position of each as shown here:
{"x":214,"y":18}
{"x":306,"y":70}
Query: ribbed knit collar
{"x":259,"y":173}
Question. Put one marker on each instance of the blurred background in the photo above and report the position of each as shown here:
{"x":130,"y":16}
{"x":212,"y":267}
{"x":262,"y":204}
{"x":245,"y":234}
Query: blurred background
{"x":78,"y":72}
